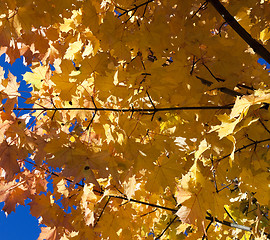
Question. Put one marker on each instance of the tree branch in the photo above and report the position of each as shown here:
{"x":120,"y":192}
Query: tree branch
{"x":101,"y":192}
{"x":255,"y":45}
{"x":140,"y":110}
{"x":209,"y":217}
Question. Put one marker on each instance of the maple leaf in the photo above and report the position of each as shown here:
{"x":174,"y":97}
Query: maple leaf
{"x":8,"y":160}
{"x":16,"y":197}
{"x":87,"y":203}
{"x":37,"y":76}
{"x":47,"y":233}
{"x":13,"y":194}
{"x":258,"y":183}
{"x":130,"y":186}
{"x":11,"y":86}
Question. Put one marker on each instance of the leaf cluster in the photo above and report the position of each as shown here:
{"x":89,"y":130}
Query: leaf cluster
{"x":154,"y":114}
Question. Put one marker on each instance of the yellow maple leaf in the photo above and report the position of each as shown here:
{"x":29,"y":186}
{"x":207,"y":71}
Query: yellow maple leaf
{"x":11,"y":86}
{"x":182,"y":195}
{"x":73,"y":49}
{"x":202,"y":148}
{"x":130,"y":186}
{"x":226,"y":127}
{"x":257,"y":183}
{"x":182,"y":228}
{"x":88,"y":201}
{"x":61,"y":188}
{"x":37,"y":76}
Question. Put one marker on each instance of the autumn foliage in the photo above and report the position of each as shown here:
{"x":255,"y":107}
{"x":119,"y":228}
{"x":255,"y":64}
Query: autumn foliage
{"x":154,"y":112}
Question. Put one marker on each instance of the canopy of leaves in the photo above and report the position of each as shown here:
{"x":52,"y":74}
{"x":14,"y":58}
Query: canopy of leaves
{"x":155,"y":112}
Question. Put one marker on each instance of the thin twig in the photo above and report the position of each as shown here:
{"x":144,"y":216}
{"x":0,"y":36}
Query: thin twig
{"x":209,"y":217}
{"x":202,"y":7}
{"x":143,"y":215}
{"x":103,"y":209}
{"x":224,"y":187}
{"x":230,"y":216}
{"x":91,"y":121}
{"x":261,"y":122}
{"x":152,"y":105}
{"x":132,"y":108}
{"x":193,"y":64}
{"x":218,"y":79}
{"x":119,"y":191}
{"x":169,"y":224}
{"x":94,"y":114}
{"x":146,"y":203}
{"x":131,"y":15}
{"x":134,"y":8}
{"x":146,"y":5}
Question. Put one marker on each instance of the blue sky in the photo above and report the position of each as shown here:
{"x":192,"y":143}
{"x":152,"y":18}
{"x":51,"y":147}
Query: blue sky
{"x":19,"y":225}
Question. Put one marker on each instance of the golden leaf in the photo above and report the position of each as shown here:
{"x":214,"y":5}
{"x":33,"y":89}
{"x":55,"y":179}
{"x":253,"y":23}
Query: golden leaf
{"x":37,"y":76}
{"x":130,"y":186}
